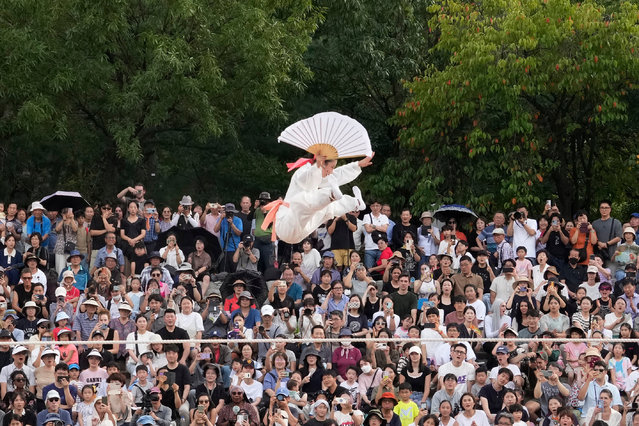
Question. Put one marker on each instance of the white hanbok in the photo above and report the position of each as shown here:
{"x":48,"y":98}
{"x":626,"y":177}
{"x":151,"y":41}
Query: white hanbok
{"x":309,"y":201}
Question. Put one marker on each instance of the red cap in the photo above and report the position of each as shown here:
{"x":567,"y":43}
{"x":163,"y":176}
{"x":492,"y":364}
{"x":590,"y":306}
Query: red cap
{"x":388,"y":395}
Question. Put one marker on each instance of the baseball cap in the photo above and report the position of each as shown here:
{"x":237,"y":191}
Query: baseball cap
{"x":72,"y":366}
{"x":592,"y":269}
{"x":267,"y":310}
{"x":282,"y":391}
{"x":246,"y":294}
{"x":155,"y":389}
{"x":95,"y":353}
{"x":328,"y":253}
{"x":61,"y":291}
{"x":415,"y":350}
{"x":498,"y":231}
{"x":502,"y":350}
{"x":146,"y":420}
{"x":19,"y":349}
{"x":53,"y":394}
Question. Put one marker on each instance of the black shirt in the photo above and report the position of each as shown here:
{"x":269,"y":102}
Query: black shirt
{"x":483,"y":274}
{"x":177,"y":334}
{"x":342,"y":237}
{"x":555,"y":246}
{"x":495,"y":398}
{"x":574,"y":276}
{"x":399,"y":231}
{"x":182,"y":376}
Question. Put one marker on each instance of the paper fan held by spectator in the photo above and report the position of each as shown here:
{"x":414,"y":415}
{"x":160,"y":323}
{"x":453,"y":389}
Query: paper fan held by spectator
{"x":313,"y":196}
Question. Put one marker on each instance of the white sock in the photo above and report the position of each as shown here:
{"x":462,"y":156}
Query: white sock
{"x":357,"y":193}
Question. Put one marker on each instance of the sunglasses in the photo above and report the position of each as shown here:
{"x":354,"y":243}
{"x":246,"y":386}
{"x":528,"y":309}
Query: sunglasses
{"x":237,"y":393}
{"x":203,"y":401}
{"x":600,"y":370}
{"x":156,"y":275}
{"x":106,"y":208}
{"x":19,"y":379}
{"x":54,"y":399}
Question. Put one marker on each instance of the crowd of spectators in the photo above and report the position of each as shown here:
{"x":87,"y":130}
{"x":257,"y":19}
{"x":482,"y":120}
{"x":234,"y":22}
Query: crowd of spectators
{"x":361,"y":275}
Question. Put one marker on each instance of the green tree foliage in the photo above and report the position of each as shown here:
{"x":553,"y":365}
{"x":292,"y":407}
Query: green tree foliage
{"x":97,"y":93}
{"x":534,"y":99}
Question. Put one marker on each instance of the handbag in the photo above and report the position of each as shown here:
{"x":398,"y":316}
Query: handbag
{"x":69,"y":246}
{"x":376,"y":235}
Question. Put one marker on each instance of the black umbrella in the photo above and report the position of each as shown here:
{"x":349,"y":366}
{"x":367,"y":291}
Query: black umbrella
{"x":255,"y":284}
{"x":62,"y":199}
{"x":186,"y":240}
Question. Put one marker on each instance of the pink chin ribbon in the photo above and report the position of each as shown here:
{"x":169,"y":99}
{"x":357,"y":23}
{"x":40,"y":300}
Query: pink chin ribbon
{"x":299,"y":163}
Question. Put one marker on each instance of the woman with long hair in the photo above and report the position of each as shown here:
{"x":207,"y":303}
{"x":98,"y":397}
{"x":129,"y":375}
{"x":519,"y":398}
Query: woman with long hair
{"x":469,"y":416}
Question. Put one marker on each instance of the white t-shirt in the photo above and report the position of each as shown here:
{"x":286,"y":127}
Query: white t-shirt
{"x":192,"y":323}
{"x":512,"y":367}
{"x":502,"y":287}
{"x":141,"y":342}
{"x":480,"y":311}
{"x":6,"y":371}
{"x":465,"y":373}
{"x":310,"y":262}
{"x":442,"y":353}
{"x":521,"y":237}
{"x":171,"y":258}
{"x":538,"y":275}
{"x":431,"y":333}
{"x":369,"y":219}
{"x":253,"y":391}
{"x":427,"y":244}
{"x":478,"y":419}
{"x":592,"y":291}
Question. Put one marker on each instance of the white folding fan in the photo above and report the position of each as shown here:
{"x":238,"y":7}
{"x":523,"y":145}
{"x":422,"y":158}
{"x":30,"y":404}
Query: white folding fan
{"x":330,"y":134}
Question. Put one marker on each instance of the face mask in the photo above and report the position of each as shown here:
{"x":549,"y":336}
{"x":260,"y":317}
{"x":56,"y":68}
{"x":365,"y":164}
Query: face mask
{"x":116,"y":298}
{"x":3,"y":305}
{"x":346,"y":343}
{"x":573,"y":261}
{"x":366,"y":368}
{"x":353,"y":305}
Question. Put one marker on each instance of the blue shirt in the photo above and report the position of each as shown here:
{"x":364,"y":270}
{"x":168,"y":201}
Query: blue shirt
{"x":64,"y":416}
{"x":295,"y":291}
{"x":333,"y":306}
{"x":316,"y":278}
{"x":102,"y":254}
{"x":253,"y":317}
{"x":594,"y":390}
{"x":43,"y":228}
{"x":150,"y":235}
{"x":81,"y":278}
{"x":270,"y":380}
{"x":230,"y":243}
{"x":63,"y":400}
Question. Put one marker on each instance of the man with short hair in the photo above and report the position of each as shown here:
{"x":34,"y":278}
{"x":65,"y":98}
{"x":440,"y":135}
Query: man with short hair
{"x":155,"y":314}
{"x":609,"y":233}
{"x":101,"y":223}
{"x":62,"y":385}
{"x":246,"y":214}
{"x":375,"y":221}
{"x":447,"y":393}
{"x":523,"y":232}
{"x":401,"y":229}
{"x":503,"y":249}
{"x":85,"y":322}
{"x":161,"y":414}
{"x":182,"y":376}
{"x":596,"y":380}
{"x":433,"y":336}
{"x":532,"y":326}
{"x":172,"y":332}
{"x":502,"y":286}
{"x":464,"y":371}
{"x":404,"y":301}
{"x":52,"y":402}
{"x":491,"y":395}
{"x":109,"y":248}
{"x":574,"y":274}
{"x":246,"y":257}
{"x":138,"y":191}
{"x":444,"y":352}
{"x":466,"y":277}
{"x":341,"y":231}
{"x":156,"y":270}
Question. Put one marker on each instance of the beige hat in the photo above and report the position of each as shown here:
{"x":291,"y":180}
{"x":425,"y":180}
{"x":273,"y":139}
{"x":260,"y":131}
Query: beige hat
{"x":425,"y":215}
{"x":592,"y":268}
{"x":630,"y":230}
{"x":522,"y":279}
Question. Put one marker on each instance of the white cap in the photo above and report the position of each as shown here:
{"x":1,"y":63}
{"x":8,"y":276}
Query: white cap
{"x":49,"y":351}
{"x":61,"y":291}
{"x":94,"y":352}
{"x":91,"y":302}
{"x":61,"y":316}
{"x":415,"y":350}
{"x":18,"y":349}
{"x":68,"y":274}
{"x":36,"y":206}
{"x":53,"y":394}
{"x":125,"y":306}
{"x":267,"y":310}
{"x":593,"y":269}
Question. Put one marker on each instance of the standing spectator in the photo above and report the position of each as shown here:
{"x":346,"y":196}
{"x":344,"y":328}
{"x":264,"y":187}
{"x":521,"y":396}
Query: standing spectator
{"x":374,"y":223}
{"x":11,"y":260}
{"x":133,"y":229}
{"x":428,"y":239}
{"x":583,"y":238}
{"x":503,"y":249}
{"x":608,"y":231}
{"x":39,"y":223}
{"x":341,"y":230}
{"x":523,"y":231}
{"x":263,"y":238}
{"x":101,"y":223}
{"x":67,"y":229}
{"x":401,"y":229}
{"x":184,"y":217}
{"x":230,"y":229}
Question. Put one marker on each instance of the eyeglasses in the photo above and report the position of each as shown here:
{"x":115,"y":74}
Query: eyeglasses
{"x":460,"y":352}
{"x":203,"y":401}
{"x":27,"y":278}
{"x":337,"y":288}
{"x":156,"y":275}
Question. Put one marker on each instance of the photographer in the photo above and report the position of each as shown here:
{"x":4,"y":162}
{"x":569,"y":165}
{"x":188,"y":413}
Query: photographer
{"x":523,"y":231}
{"x":153,"y":407}
{"x":184,"y":218}
{"x":171,"y":254}
{"x":230,"y":229}
{"x":246,"y":256}
{"x":213,"y":316}
{"x":53,"y":410}
{"x":583,"y":237}
{"x":263,"y":238}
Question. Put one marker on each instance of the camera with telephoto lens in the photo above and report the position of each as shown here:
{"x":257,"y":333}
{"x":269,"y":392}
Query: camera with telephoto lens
{"x":229,"y":215}
{"x":147,"y":398}
{"x":517,"y":215}
{"x":263,"y":202}
{"x":308,"y":312}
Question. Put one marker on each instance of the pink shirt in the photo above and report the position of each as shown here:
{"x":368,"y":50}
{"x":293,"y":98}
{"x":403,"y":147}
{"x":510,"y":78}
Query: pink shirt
{"x":574,"y":350}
